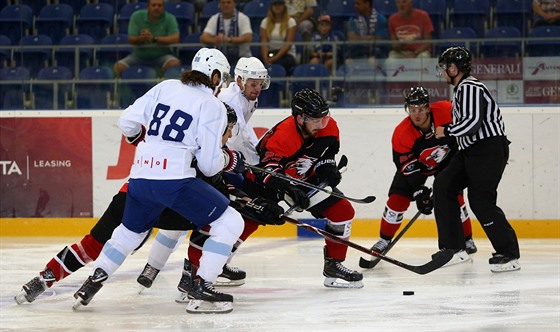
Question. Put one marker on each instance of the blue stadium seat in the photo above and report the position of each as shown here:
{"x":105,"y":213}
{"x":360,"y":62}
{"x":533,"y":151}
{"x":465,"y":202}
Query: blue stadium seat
{"x":210,"y":8}
{"x":457,"y":33}
{"x":95,"y":20}
{"x":385,"y":7}
{"x":35,"y":5}
{"x":66,"y":56}
{"x":55,"y":21}
{"x":544,"y":47}
{"x":271,"y":97}
{"x":514,"y":13}
{"x":256,"y":49}
{"x":256,"y":10}
{"x":438,"y":13}
{"x":471,"y":13}
{"x":44,"y":93}
{"x":34,"y":58}
{"x":310,"y":70}
{"x":5,"y":54}
{"x":117,"y":4}
{"x":340,"y":12}
{"x":94,"y":88}
{"x":130,"y":91}
{"x":117,"y":47}
{"x":184,"y":13}
{"x":186,"y":53}
{"x":75,"y":4}
{"x":16,"y":21}
{"x":498,"y":45}
{"x":125,"y":13}
{"x":12,"y":96}
{"x":175,"y":72}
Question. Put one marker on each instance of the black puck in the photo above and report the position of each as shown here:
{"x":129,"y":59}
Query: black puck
{"x":408,"y":292}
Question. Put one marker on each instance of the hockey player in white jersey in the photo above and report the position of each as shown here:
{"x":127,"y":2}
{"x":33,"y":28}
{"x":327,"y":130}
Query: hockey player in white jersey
{"x":251,"y":77}
{"x":173,"y":123}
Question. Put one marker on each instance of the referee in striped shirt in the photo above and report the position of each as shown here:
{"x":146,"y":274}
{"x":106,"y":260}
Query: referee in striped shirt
{"x":478,"y":165}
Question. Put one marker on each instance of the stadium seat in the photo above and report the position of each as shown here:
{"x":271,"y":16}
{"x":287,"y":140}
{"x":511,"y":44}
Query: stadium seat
{"x":186,"y":53}
{"x":125,"y":13}
{"x":498,"y":45}
{"x":75,"y":4}
{"x":317,"y":71}
{"x":115,"y":47}
{"x":5,"y":53}
{"x":544,"y":47}
{"x":44,"y":93}
{"x":471,"y":13}
{"x":256,"y":10}
{"x":271,"y":98}
{"x":184,"y":12}
{"x":175,"y":72}
{"x":95,"y":20}
{"x":13,"y":96}
{"x":210,"y":8}
{"x":385,"y":7}
{"x":437,"y":11}
{"x":514,"y":13}
{"x":35,"y":5}
{"x":256,"y":49}
{"x":34,"y":58}
{"x":340,"y":12}
{"x":55,"y":21}
{"x":66,"y":56}
{"x":457,"y":33}
{"x":16,"y":21}
{"x":130,"y":91}
{"x":94,"y":88}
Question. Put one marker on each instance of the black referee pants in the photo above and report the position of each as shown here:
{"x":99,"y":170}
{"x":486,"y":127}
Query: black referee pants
{"x":478,"y":168}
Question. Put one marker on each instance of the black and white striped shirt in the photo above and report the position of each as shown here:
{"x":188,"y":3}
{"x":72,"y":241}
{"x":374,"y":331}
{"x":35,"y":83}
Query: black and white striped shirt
{"x":476,"y":115}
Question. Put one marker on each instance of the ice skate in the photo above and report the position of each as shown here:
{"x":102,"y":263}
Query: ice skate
{"x":501,"y":263}
{"x":90,"y":287}
{"x":231,"y":276}
{"x":203,"y":298}
{"x":35,"y":287}
{"x":459,"y":257}
{"x":334,"y":270}
{"x":184,"y":283}
{"x":378,"y":247}
{"x":470,"y":247}
{"x":147,"y":277}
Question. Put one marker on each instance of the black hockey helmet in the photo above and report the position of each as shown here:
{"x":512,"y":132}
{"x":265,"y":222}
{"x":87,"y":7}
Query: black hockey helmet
{"x":309,"y":102}
{"x":458,"y":55}
{"x":417,"y":96}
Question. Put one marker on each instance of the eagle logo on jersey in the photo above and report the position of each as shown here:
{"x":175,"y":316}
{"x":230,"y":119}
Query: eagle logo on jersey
{"x":433,"y":156}
{"x":303,"y":165}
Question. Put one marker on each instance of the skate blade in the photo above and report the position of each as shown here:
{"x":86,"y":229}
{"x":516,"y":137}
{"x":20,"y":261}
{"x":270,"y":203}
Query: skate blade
{"x":508,"y":267}
{"x":77,"y":304}
{"x":141,"y":289}
{"x":457,"y":260}
{"x":333,"y":283}
{"x":205,"y":307}
{"x":182,"y":298}
{"x":20,"y":298}
{"x":223,"y":282}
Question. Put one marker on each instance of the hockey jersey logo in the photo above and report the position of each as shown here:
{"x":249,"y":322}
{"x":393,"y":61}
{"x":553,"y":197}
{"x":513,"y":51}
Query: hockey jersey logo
{"x":433,"y":156}
{"x":303,"y":165}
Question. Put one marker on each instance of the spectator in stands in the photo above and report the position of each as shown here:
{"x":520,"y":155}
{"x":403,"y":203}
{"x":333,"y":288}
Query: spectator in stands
{"x":229,"y":31}
{"x":548,"y":12}
{"x":367,"y":26}
{"x":302,"y":12}
{"x":278,"y":32}
{"x":151,"y":30}
{"x":407,"y":25}
{"x":322,"y":48}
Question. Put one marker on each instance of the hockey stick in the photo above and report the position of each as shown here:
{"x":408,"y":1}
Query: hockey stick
{"x":365,"y":200}
{"x":370,"y":264}
{"x":439,"y":259}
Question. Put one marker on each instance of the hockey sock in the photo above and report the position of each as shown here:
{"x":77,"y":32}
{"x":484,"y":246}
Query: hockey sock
{"x":339,"y":216}
{"x":393,"y":215}
{"x":164,"y":244}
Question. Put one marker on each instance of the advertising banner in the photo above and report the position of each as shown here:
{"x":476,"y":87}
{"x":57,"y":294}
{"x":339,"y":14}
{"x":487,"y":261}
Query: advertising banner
{"x":45,"y":167}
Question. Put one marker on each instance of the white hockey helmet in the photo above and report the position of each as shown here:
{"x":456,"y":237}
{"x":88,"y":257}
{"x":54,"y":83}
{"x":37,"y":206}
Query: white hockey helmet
{"x":252,"y":68}
{"x":206,"y":60}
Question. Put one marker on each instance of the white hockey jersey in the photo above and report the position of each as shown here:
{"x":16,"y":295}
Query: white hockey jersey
{"x":243,"y":137}
{"x":182,"y":122}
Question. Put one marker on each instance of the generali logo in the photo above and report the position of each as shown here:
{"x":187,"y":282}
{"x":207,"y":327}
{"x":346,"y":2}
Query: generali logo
{"x":402,"y":69}
{"x":540,"y":67}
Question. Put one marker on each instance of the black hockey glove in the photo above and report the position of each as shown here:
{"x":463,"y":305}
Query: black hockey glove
{"x":327,"y":172}
{"x":235,"y":161}
{"x":424,"y":201}
{"x":291,"y":194}
{"x":134,"y":140}
{"x":264,"y":211}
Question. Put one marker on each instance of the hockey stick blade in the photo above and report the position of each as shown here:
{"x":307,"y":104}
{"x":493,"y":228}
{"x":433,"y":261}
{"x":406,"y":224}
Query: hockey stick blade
{"x":370,"y":264}
{"x":365,"y":200}
{"x":439,"y":259}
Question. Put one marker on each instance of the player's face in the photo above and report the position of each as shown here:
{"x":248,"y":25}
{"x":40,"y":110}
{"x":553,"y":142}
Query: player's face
{"x":419,"y":114}
{"x":227,"y":135}
{"x":311,"y":126}
{"x":253,"y":88}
